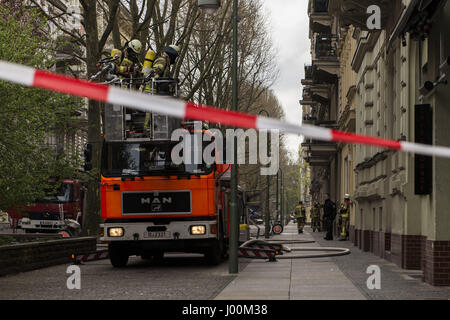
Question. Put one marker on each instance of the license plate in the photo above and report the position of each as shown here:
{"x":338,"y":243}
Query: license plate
{"x":46,"y":223}
{"x":157,"y":235}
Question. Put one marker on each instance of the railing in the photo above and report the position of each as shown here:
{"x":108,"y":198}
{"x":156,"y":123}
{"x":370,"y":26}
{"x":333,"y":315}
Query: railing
{"x":326,"y":46}
{"x":320,"y":6}
{"x":308,"y":72}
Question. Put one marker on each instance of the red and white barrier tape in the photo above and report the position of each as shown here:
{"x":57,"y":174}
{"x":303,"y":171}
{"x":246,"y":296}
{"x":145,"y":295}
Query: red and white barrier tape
{"x":99,"y":255}
{"x":37,"y":78}
{"x":256,"y":253}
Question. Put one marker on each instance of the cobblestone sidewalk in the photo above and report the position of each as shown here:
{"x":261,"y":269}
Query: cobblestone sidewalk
{"x":396,"y":283}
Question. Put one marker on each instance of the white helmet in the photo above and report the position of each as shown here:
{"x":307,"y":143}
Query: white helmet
{"x":135,"y":45}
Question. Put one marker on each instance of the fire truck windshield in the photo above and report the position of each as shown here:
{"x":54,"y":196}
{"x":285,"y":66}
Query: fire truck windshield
{"x":61,"y":194}
{"x":145,"y":158}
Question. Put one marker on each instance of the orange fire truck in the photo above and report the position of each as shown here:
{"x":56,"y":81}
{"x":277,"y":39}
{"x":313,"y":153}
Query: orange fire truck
{"x":149,"y":204}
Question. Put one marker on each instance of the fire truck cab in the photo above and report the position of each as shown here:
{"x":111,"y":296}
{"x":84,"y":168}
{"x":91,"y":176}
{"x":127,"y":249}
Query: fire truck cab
{"x":49,"y":214}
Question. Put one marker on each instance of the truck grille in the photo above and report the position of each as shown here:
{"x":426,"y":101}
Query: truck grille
{"x":44,"y":216}
{"x":156,"y":202}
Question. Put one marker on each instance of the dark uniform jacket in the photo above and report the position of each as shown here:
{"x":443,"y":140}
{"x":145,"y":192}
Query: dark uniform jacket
{"x":329,"y":209}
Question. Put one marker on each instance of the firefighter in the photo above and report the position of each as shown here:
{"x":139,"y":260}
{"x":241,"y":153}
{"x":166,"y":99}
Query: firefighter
{"x":300,"y":214}
{"x":161,"y":69}
{"x":128,"y":63}
{"x":315,"y":217}
{"x":344,"y":213}
{"x":161,"y":66}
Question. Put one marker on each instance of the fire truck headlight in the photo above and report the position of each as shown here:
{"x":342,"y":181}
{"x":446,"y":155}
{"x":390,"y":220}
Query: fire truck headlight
{"x":115,"y":232}
{"x":198,"y":230}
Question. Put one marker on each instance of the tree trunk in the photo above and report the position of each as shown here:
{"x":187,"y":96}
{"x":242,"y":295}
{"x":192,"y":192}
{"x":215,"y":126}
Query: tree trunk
{"x":92,"y":213}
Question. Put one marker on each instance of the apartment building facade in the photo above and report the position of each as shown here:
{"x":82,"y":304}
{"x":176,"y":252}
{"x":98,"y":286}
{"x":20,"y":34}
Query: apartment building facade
{"x":401,"y":208}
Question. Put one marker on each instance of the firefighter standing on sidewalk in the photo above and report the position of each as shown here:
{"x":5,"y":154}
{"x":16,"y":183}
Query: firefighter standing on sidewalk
{"x":300,"y":214}
{"x":344,"y":212}
{"x":315,"y":217}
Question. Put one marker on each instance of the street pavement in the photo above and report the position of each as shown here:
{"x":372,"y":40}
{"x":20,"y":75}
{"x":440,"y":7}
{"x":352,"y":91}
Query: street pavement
{"x":177,"y":277}
{"x":188,"y":277}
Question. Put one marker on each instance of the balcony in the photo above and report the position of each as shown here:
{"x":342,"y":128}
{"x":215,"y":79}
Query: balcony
{"x":320,"y":93}
{"x":308,"y":75}
{"x":326,"y":46}
{"x":320,"y":21}
{"x":307,"y":98}
{"x":320,"y":6}
{"x":330,"y":124}
{"x":325,"y":64}
{"x":309,"y":120}
{"x":319,"y":153}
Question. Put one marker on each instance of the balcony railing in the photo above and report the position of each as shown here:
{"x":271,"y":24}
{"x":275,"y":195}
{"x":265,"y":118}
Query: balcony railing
{"x":308,"y":72}
{"x":320,"y":6}
{"x":326,"y":46}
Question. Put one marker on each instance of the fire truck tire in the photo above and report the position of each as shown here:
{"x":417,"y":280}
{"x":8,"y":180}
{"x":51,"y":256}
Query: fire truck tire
{"x":146,"y":256}
{"x":158,"y":256}
{"x":117,"y":256}
{"x":214,"y":254}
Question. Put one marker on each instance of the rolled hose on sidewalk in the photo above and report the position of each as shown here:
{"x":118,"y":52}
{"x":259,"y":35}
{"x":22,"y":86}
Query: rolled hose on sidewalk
{"x":336,"y":251}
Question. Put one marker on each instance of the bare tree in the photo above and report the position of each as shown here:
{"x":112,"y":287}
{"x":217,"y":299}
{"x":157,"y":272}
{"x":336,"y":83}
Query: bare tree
{"x":203,"y":65}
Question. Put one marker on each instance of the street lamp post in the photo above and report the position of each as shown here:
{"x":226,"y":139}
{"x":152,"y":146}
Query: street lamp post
{"x":234,"y":219}
{"x":282,"y":197}
{"x":277,"y":194}
{"x":211,"y":5}
{"x":267,"y":216}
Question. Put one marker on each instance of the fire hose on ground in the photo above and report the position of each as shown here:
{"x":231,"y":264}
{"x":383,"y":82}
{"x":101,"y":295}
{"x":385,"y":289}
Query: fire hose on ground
{"x":276,"y":249}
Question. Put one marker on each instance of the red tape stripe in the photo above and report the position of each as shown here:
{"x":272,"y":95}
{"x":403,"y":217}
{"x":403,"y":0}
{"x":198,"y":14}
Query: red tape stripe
{"x":231,"y":118}
{"x":340,"y":136}
{"x":72,"y":86}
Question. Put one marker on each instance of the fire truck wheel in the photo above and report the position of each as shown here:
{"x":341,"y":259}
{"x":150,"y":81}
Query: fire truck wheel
{"x":214,"y":254}
{"x":158,"y":256}
{"x":117,"y":256}
{"x":146,"y":256}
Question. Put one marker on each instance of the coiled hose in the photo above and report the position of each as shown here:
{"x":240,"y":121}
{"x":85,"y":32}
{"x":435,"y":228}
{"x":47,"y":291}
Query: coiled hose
{"x":329,"y":251}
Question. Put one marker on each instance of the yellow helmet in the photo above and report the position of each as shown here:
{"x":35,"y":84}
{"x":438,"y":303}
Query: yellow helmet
{"x":135,"y":45}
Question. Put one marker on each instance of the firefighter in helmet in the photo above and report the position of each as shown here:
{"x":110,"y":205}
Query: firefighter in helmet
{"x":162,"y":65}
{"x":128,"y":64}
{"x":344,"y":213}
{"x":161,"y":69}
{"x":315,"y":217}
{"x":300,"y":214}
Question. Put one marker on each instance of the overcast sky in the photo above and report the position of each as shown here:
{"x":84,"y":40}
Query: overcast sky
{"x":289,"y":25}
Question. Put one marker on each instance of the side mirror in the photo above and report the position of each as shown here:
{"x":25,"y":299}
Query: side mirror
{"x":88,"y":157}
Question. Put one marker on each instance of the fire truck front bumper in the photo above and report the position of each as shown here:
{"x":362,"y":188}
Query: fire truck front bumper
{"x":149,"y":231}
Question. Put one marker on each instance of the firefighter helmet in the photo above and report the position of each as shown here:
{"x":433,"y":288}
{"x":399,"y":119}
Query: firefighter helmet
{"x":135,"y":45}
{"x":172,"y":51}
